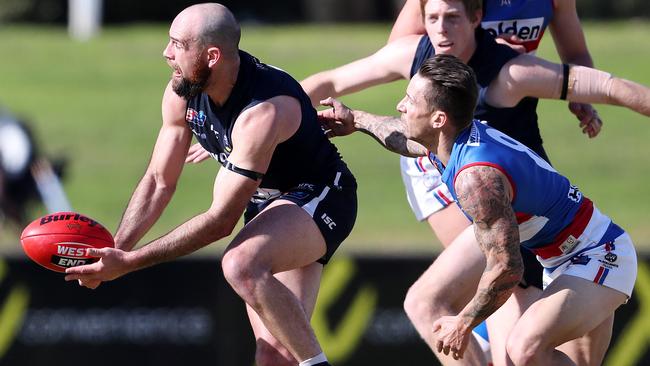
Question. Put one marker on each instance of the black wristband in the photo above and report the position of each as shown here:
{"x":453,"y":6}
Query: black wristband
{"x":565,"y":81}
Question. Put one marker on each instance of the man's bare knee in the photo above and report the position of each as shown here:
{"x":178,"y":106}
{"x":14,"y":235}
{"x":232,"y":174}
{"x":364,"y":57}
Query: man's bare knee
{"x":243,"y":274}
{"x":523,"y":349}
{"x":421,"y":305}
{"x":415,"y":306}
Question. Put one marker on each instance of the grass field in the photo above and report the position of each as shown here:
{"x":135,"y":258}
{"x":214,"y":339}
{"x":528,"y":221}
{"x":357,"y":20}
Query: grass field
{"x":98,"y":104}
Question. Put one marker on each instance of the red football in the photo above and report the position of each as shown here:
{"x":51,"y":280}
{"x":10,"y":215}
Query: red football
{"x":59,"y":240}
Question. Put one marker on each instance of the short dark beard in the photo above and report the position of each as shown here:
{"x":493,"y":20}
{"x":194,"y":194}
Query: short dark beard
{"x":189,"y":88}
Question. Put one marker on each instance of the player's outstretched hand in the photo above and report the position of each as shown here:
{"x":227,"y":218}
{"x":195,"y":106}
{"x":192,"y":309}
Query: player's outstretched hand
{"x":590,"y":121}
{"x":451,"y":336}
{"x":196,"y":154}
{"x":338,"y":120}
{"x":112,"y":264}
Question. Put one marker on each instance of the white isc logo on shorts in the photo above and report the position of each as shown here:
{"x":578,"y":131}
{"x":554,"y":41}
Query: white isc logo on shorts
{"x":328,"y":221}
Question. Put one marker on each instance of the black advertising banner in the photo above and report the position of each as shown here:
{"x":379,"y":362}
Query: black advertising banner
{"x":184,"y":313}
{"x":179,"y":313}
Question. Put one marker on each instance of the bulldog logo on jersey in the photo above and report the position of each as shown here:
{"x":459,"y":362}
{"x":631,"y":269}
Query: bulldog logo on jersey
{"x":574,"y":194}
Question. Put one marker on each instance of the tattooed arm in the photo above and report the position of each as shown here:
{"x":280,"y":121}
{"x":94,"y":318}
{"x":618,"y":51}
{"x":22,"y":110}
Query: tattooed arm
{"x":485,"y":194}
{"x":388,"y":131}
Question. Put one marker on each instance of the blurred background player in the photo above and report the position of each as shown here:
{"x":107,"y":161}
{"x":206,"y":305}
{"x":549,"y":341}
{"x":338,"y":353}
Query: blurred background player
{"x":26,"y":175}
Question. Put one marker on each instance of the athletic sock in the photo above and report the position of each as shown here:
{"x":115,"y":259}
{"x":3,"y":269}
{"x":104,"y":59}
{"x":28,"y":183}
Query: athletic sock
{"x":318,"y":360}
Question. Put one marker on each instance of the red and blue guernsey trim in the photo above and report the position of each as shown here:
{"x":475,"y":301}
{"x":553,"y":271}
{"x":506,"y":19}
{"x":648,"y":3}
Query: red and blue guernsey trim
{"x":419,"y":165}
{"x":442,"y":198}
{"x":603,"y":271}
{"x":601,"y":275}
{"x":575,"y":229}
{"x":439,"y":194}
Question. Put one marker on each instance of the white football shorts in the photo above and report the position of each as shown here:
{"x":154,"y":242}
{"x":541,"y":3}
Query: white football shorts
{"x":599,"y":257}
{"x":425,"y":191}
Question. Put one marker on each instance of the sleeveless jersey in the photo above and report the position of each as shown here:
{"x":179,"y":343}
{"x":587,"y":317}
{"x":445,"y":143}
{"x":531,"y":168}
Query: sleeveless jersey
{"x":527,"y":19}
{"x":306,"y":157}
{"x":548,"y":208}
{"x":489,"y":57}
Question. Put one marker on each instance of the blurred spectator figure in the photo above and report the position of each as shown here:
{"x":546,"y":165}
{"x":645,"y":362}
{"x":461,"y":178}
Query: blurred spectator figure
{"x":25,"y":175}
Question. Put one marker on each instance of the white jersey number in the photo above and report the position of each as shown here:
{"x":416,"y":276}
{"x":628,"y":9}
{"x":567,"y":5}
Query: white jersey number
{"x":516,"y":145}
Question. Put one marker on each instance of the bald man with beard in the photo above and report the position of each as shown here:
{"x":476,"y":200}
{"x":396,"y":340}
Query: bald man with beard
{"x":279,"y":170}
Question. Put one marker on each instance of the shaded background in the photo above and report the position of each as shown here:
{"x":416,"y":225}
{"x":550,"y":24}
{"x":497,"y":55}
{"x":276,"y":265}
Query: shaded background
{"x":279,"y":11}
{"x":96,"y":105}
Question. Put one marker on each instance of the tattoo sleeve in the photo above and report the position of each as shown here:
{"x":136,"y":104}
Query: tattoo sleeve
{"x":485,"y":194}
{"x":389,"y":132}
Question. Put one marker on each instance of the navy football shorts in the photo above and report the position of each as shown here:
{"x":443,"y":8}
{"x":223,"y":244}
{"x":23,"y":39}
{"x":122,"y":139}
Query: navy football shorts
{"x":333,"y":206}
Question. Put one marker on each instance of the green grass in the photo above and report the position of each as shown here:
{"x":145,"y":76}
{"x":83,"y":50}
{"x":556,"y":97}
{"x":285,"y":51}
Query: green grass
{"x":98,"y":103}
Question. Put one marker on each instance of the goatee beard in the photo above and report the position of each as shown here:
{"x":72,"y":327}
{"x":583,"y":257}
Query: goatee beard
{"x":187,"y":88}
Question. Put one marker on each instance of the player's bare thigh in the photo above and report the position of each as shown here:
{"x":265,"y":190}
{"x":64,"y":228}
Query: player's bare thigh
{"x":569,"y":308}
{"x":501,"y":322}
{"x":283,"y":236}
{"x":454,"y":275}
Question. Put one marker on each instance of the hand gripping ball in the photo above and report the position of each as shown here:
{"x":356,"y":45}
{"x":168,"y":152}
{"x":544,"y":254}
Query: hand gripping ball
{"x":58,"y":241}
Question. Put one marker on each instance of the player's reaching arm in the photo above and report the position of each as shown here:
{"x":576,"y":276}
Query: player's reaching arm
{"x":408,"y":22}
{"x":568,"y":36}
{"x":572,"y":48}
{"x":158,"y":184}
{"x":530,"y":76}
{"x":255,"y":136}
{"x":388,"y":131}
{"x":485,"y":194}
{"x":390,"y":63}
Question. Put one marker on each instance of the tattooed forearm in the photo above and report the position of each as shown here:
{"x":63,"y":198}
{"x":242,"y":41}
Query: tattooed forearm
{"x":389,"y":132}
{"x":485,"y":194}
{"x":490,"y":297}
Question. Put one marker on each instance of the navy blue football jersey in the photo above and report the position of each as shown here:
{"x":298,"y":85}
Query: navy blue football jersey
{"x":307,"y":156}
